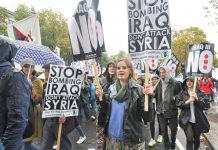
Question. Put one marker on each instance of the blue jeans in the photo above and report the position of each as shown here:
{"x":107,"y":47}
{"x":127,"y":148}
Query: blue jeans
{"x":1,"y":146}
{"x":85,"y":108}
{"x":28,"y":146}
{"x":50,"y":134}
{"x":80,"y":130}
{"x":93,"y":104}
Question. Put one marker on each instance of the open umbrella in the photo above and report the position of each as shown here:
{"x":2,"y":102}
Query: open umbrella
{"x":40,"y":54}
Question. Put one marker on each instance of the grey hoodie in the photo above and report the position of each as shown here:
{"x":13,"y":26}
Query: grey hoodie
{"x":165,"y":81}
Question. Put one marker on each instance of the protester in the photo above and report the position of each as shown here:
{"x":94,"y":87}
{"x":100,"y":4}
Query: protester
{"x":140,"y":81}
{"x":166,"y":109}
{"x":84,"y":99}
{"x":83,"y":105}
{"x":50,"y":128}
{"x":152,"y":142}
{"x":207,"y":87}
{"x":125,"y":105}
{"x":92,"y":99}
{"x":191,"y":104}
{"x":106,"y":81}
{"x":34,"y":123}
{"x":14,"y":98}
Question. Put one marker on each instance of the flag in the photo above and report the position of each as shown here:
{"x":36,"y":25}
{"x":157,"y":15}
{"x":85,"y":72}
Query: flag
{"x":26,"y":30}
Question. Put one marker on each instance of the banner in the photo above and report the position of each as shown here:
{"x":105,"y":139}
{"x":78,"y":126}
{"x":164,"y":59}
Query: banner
{"x":172,"y":63}
{"x":26,"y":30}
{"x":85,"y":30}
{"x":200,"y":59}
{"x":63,"y":91}
{"x":87,"y":67}
{"x":140,"y":66}
{"x":149,"y":29}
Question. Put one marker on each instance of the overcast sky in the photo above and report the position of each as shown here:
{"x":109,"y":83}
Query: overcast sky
{"x":183,"y":14}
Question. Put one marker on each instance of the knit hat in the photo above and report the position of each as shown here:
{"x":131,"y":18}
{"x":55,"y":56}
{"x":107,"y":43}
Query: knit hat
{"x":26,"y":61}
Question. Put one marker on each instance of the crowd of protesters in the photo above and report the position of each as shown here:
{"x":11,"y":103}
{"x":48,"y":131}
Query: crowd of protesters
{"x":119,"y":115}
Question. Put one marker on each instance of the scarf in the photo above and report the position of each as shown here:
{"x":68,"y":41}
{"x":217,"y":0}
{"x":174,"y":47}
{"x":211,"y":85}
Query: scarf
{"x":122,"y":93}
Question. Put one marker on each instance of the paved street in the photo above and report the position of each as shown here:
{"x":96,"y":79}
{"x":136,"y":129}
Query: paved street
{"x":90,"y":132}
{"x":89,"y":143}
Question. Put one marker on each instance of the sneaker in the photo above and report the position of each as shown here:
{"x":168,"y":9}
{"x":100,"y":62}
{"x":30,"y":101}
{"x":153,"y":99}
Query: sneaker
{"x":55,"y":147}
{"x":93,"y":117}
{"x":81,"y":140}
{"x":159,"y":139}
{"x":152,"y":143}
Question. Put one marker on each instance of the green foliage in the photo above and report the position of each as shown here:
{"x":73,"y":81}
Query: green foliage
{"x":3,"y":21}
{"x":104,"y":59}
{"x":54,"y":32}
{"x":182,"y":39}
{"x":53,"y":28}
{"x":215,"y":61}
{"x":121,"y":54}
{"x":22,"y":11}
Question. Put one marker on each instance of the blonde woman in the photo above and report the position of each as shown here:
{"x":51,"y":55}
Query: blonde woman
{"x":125,"y":110}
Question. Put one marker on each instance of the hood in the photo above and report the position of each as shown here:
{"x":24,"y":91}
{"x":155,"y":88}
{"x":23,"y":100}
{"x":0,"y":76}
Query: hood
{"x":4,"y":66}
{"x":7,"y":49}
{"x":167,"y":76}
{"x":187,"y":78}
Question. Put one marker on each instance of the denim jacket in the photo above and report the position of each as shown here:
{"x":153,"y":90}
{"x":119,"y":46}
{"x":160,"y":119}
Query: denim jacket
{"x":14,"y":102}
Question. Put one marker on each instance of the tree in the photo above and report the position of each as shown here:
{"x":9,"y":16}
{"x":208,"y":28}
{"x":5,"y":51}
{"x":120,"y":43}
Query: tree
{"x":104,"y":59}
{"x":211,"y":12}
{"x":22,"y":11}
{"x":182,"y":39}
{"x":3,"y":21}
{"x":53,"y":28}
{"x":54,"y":32}
{"x":215,"y":61}
{"x":121,"y":54}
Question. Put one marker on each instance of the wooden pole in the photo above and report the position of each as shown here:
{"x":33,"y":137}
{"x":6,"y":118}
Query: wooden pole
{"x":195,"y":83}
{"x":146,"y":82}
{"x":59,"y":136}
{"x":96,"y":76}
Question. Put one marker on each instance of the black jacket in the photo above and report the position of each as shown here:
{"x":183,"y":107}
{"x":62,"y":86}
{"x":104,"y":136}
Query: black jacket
{"x":133,"y":125}
{"x":168,"y":106}
{"x":185,"y":114}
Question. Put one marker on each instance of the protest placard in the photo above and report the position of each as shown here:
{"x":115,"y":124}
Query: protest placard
{"x":85,"y":30}
{"x":200,"y":59}
{"x":149,"y":29}
{"x":63,"y":90}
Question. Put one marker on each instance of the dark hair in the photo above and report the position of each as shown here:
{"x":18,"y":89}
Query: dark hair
{"x":47,"y":66}
{"x":34,"y":72}
{"x":141,"y":79}
{"x":106,"y":74}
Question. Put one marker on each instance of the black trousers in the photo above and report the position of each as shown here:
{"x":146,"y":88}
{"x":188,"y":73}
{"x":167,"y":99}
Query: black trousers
{"x":172,"y":123}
